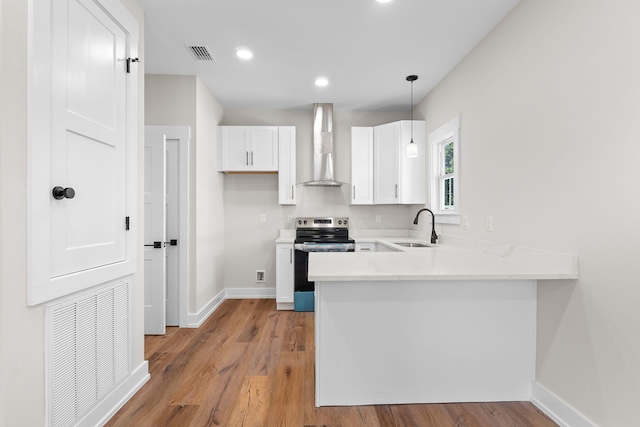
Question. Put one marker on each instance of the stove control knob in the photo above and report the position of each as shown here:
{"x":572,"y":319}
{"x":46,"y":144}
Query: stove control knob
{"x":339,"y":222}
{"x":305,"y":222}
{"x":299,"y":222}
{"x":345,"y":221}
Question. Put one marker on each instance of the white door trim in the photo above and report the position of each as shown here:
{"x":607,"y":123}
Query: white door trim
{"x":182,"y":133}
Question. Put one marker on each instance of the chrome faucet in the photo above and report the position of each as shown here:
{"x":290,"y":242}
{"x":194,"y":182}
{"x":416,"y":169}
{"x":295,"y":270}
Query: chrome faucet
{"x":434,"y":236}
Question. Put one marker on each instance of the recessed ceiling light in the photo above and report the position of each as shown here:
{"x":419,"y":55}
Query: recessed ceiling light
{"x":384,"y":1}
{"x":322,"y":81}
{"x":244,"y":53}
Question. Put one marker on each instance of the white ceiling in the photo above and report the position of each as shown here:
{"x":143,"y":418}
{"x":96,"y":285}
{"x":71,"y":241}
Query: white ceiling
{"x":365,"y":49}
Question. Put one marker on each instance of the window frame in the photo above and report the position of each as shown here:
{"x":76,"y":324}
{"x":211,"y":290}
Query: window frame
{"x":447,"y":133}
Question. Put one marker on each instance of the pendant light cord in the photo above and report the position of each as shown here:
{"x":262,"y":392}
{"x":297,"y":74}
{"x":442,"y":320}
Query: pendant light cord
{"x":411,"y":111}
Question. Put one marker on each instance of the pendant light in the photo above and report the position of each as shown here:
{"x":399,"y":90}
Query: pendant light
{"x":412,"y":148}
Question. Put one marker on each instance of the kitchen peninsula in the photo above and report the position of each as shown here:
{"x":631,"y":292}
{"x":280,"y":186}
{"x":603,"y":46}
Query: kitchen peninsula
{"x":444,"y":323}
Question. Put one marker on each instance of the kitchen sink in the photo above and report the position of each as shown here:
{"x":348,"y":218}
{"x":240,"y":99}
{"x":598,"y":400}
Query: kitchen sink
{"x":412,"y":245}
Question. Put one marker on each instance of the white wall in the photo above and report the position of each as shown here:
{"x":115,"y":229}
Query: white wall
{"x":22,"y":345}
{"x":22,"y":382}
{"x":184,"y":101}
{"x":209,"y":199}
{"x":250,"y":245}
{"x":550,"y":104}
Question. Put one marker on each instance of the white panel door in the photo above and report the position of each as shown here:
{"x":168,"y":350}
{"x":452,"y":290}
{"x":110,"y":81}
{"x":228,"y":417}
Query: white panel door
{"x":235,"y":146}
{"x":154,"y":232}
{"x":264,"y":148}
{"x":287,"y":165}
{"x":284,"y":276}
{"x":88,"y":142}
{"x":361,"y":165}
{"x":386,"y":173}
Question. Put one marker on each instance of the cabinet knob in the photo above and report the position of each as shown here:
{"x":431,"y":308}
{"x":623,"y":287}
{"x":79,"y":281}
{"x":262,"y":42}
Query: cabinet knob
{"x":60,"y":193}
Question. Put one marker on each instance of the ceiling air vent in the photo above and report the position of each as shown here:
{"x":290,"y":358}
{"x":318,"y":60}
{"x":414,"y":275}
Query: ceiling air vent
{"x":200,"y":52}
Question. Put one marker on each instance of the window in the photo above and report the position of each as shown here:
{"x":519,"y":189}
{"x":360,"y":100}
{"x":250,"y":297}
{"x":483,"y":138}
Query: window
{"x":444,"y":144}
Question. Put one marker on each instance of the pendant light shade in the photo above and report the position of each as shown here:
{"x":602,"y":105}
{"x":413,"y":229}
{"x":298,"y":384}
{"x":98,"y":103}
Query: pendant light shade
{"x":412,"y":148}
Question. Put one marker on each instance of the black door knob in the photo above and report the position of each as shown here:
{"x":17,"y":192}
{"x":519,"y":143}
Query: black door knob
{"x":60,"y":193}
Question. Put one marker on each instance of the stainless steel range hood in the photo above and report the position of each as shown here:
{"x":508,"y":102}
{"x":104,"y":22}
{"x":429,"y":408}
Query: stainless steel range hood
{"x":323,"y":148}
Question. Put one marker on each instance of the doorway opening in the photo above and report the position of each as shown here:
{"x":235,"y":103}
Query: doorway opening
{"x":167,"y":222}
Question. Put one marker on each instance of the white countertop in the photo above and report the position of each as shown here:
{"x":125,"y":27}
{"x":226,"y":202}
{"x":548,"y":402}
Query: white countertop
{"x":479,"y":260}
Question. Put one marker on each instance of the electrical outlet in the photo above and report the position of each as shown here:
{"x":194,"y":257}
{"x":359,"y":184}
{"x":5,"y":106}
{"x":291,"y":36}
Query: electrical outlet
{"x":378,"y":219}
{"x":465,"y":223}
{"x":259,"y":275}
{"x":489,"y":223}
{"x":289,"y":219}
{"x":263,"y":218}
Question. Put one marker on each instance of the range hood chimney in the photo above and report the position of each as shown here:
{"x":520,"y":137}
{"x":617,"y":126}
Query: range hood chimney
{"x":323,"y":148}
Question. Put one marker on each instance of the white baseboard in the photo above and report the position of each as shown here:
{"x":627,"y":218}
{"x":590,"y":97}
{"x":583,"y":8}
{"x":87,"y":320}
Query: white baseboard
{"x":245,"y":293}
{"x":557,"y":409}
{"x":109,"y":405}
{"x":197,"y":319}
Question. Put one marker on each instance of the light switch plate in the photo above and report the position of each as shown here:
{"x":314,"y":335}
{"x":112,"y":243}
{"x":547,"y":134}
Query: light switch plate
{"x":489,"y":223}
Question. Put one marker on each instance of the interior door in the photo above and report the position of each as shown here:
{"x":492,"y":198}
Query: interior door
{"x":88,"y":145}
{"x":155,"y":232}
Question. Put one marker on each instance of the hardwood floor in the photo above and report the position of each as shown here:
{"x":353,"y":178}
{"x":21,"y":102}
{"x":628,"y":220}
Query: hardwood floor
{"x":250,"y":365}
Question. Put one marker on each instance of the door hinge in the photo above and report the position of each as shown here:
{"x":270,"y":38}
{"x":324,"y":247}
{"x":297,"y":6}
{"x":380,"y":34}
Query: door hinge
{"x":126,"y":223}
{"x":129,"y":61}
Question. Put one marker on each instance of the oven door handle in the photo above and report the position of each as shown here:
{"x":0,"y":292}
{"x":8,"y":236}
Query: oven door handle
{"x":324,"y":247}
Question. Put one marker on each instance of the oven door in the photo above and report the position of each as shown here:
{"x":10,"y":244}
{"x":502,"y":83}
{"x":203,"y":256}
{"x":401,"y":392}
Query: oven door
{"x":301,"y":260}
{"x":300,"y":268}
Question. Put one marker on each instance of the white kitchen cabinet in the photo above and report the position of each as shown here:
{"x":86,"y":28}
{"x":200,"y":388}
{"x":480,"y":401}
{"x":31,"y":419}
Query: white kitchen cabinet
{"x":365,"y":247}
{"x":361,"y":165}
{"x":372,"y":247}
{"x":248,"y":148}
{"x":287,"y":165}
{"x":398,"y":179}
{"x":381,"y":172}
{"x":284,"y":276}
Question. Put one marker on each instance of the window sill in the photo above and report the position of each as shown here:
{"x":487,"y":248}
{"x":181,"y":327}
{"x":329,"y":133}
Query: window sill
{"x":447,"y":218}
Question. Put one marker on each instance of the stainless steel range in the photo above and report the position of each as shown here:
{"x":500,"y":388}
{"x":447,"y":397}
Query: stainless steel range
{"x":316,"y":235}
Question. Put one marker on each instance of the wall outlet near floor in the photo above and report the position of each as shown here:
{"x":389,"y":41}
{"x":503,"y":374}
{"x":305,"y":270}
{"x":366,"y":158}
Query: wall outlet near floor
{"x":259,"y":275}
{"x":262,"y":218}
{"x":489,"y":223}
{"x":378,"y":219}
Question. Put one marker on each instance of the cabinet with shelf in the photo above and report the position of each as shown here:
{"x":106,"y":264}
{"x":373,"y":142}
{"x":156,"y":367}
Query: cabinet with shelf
{"x":261,"y":149}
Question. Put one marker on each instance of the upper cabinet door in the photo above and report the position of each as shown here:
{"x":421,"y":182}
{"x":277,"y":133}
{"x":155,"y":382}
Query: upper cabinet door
{"x":386,"y":169}
{"x":264,"y":148}
{"x":248,"y":148}
{"x":81,"y":149}
{"x":413,"y":177}
{"x":361,"y":165}
{"x":287,"y":165}
{"x":234,"y":144}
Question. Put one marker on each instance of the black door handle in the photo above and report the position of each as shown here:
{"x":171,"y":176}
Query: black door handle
{"x":159,"y":245}
{"x":60,"y":193}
